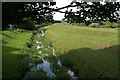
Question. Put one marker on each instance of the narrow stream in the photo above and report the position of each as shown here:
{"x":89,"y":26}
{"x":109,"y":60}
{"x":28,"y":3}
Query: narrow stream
{"x":44,"y":63}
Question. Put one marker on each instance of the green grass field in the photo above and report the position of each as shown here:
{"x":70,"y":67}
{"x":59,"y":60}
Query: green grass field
{"x":13,"y":42}
{"x":89,"y":52}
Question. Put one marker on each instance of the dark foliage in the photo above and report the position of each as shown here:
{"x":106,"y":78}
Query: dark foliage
{"x":16,"y":12}
{"x":95,"y":12}
{"x":28,"y":25}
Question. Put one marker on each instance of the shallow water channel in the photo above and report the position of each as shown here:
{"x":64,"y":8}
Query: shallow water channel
{"x":44,"y":62}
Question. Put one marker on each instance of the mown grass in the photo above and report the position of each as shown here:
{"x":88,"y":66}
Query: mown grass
{"x":90,"y":52}
{"x":13,"y":44}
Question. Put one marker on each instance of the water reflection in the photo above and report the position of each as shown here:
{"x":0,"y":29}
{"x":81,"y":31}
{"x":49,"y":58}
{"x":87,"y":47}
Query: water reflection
{"x":38,"y":42}
{"x":47,"y":65}
{"x":40,"y":52}
{"x":58,"y":61}
{"x":38,"y":47}
{"x":72,"y":75}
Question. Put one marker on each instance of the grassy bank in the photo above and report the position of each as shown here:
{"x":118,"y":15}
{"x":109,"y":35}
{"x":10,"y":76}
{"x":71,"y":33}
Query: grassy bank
{"x":13,"y":44}
{"x":43,"y":62}
{"x":90,"y":52}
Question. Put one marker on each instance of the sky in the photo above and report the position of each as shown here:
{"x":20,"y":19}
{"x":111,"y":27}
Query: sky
{"x":62,"y":3}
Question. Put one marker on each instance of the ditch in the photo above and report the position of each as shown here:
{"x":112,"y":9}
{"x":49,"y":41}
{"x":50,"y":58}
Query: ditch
{"x":44,"y":63}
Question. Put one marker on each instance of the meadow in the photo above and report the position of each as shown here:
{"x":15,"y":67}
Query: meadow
{"x":36,"y":46}
{"x":89,"y":52}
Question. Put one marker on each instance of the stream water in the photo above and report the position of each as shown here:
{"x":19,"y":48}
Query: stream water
{"x":44,"y":62}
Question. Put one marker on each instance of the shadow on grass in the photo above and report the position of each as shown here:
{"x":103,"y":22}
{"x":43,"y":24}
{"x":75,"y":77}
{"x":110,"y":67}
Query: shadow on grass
{"x":3,"y":42}
{"x":90,"y":63}
{"x":14,"y":63}
{"x":13,"y":31}
{"x":7,"y":35}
